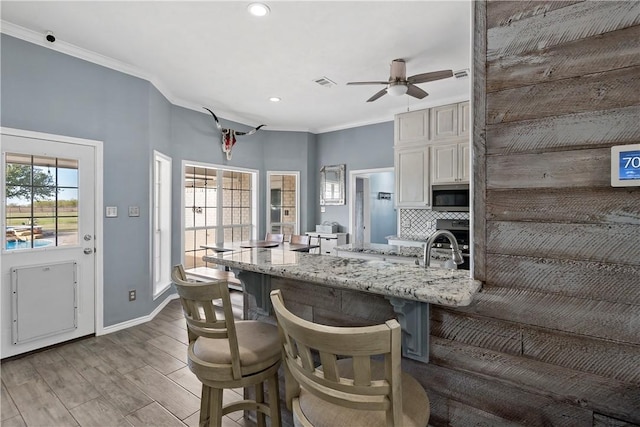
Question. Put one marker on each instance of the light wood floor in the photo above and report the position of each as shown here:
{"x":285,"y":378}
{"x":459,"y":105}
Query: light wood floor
{"x":133,"y":377}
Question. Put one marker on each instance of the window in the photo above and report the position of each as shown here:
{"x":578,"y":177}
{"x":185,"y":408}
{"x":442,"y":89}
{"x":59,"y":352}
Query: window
{"x":161,"y":263}
{"x":219,"y":207}
{"x":283,"y":196}
{"x":41,"y":201}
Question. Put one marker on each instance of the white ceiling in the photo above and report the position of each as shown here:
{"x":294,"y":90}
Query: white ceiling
{"x":214,"y":54}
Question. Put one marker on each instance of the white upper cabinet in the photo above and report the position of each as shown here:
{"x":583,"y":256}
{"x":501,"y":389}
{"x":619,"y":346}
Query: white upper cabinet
{"x":411,"y":128}
{"x":444,"y":122}
{"x":431,"y":147}
{"x":412,"y":176}
{"x":450,"y":163}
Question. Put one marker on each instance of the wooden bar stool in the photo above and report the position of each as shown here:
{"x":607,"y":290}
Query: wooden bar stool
{"x":348,"y":388}
{"x":224,"y":353}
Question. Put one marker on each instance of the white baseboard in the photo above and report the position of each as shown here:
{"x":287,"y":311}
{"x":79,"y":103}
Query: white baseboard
{"x":138,"y":321}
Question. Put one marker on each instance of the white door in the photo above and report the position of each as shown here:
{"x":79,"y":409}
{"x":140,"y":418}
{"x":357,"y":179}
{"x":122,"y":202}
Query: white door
{"x":48,"y":250}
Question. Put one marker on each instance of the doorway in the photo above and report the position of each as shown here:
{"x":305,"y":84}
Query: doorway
{"x":372,"y":215}
{"x":51,"y":194}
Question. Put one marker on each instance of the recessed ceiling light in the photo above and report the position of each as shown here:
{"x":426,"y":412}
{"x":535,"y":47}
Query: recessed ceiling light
{"x":274,"y":99}
{"x":258,"y":9}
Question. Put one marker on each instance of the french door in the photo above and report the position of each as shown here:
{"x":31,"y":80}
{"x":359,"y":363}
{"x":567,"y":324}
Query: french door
{"x":48,"y":265}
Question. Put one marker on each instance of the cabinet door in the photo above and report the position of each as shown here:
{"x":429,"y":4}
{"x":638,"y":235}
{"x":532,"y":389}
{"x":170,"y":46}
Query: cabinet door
{"x":464,"y":158}
{"x":444,"y":122}
{"x":412,"y":177}
{"x":444,"y":163}
{"x":464,"y":119}
{"x":412,"y":127}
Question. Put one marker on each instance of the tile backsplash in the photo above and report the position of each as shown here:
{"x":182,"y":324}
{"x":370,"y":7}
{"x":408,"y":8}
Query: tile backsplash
{"x":422,"y":222}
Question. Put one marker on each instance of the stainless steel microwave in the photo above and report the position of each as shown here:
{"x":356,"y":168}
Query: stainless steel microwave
{"x":450,"y":198}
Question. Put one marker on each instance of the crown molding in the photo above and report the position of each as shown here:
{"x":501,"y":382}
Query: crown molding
{"x":114,"y":64}
{"x":66,"y":48}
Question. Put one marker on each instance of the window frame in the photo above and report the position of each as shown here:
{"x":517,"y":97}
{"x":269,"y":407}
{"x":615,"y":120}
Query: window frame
{"x":161,"y":212}
{"x":219,"y":227}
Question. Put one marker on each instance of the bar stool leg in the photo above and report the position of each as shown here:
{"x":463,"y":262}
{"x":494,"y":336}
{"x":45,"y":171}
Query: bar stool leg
{"x":274,"y":401}
{"x":260,"y":399}
{"x":204,"y":405}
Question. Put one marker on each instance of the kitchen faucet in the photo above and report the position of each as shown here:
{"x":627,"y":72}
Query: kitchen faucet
{"x":456,"y":256}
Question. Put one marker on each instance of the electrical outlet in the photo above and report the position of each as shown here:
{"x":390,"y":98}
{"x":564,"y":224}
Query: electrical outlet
{"x":406,"y":223}
{"x":132,"y":295}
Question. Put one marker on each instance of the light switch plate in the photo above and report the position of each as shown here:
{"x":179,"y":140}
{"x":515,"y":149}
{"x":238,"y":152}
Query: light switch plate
{"x":111,"y":211}
{"x":134,"y":211}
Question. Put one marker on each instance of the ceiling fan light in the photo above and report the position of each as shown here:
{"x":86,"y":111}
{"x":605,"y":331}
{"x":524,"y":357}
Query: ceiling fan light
{"x":397,"y":89}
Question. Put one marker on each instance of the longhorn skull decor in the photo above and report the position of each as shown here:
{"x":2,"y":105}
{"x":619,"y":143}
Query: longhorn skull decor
{"x":229,"y":135}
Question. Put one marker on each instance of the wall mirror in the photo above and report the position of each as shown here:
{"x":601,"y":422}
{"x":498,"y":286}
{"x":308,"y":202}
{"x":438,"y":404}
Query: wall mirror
{"x":332,"y":182}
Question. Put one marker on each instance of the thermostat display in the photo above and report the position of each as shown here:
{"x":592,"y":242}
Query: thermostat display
{"x":625,"y":165}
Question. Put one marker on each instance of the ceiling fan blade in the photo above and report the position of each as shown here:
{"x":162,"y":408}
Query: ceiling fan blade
{"x":415,"y":91}
{"x":429,"y":77}
{"x":377,"y":95}
{"x":368,"y":83}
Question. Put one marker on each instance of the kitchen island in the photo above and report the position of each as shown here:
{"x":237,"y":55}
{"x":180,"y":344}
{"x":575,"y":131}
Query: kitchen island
{"x":409,"y":288}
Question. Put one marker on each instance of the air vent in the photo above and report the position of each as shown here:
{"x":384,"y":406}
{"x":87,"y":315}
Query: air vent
{"x":461,"y":73}
{"x":323,"y":81}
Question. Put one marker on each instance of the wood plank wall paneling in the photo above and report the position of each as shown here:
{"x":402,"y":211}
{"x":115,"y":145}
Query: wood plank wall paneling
{"x":605,"y":395}
{"x":572,"y":131}
{"x":606,"y":243}
{"x":477,"y":331}
{"x":478,"y":148}
{"x":587,"y":354}
{"x":580,"y":205}
{"x":567,"y":24}
{"x":580,"y":279}
{"x":503,"y":13}
{"x":505,"y":400}
{"x":618,"y":49}
{"x":580,"y":168}
{"x":600,"y":91}
{"x":600,"y":357}
{"x":554,"y":336}
{"x":589,"y":318}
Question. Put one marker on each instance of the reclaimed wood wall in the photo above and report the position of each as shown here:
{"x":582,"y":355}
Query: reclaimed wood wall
{"x":554,"y":337}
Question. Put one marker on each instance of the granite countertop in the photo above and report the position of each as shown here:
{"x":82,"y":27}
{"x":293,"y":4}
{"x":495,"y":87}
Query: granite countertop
{"x":382,"y":249}
{"x":410,"y":282}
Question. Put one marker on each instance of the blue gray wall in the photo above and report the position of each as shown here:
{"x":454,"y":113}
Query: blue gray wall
{"x":365,"y":147}
{"x":46,"y":91}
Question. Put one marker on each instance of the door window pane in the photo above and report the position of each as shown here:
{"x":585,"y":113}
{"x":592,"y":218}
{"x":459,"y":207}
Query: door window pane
{"x":218,"y":209}
{"x":282,"y":197}
{"x":41,"y":201}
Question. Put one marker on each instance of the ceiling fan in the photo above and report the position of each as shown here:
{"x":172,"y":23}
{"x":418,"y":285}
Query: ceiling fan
{"x":399,"y":84}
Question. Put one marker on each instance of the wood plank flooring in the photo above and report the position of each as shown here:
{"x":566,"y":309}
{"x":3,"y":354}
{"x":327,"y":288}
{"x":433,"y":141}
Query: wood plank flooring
{"x":134,"y":377}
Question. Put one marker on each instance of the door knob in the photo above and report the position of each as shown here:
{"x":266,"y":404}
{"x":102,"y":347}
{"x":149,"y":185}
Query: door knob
{"x":87,"y":237}
{"x":88,"y":251}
